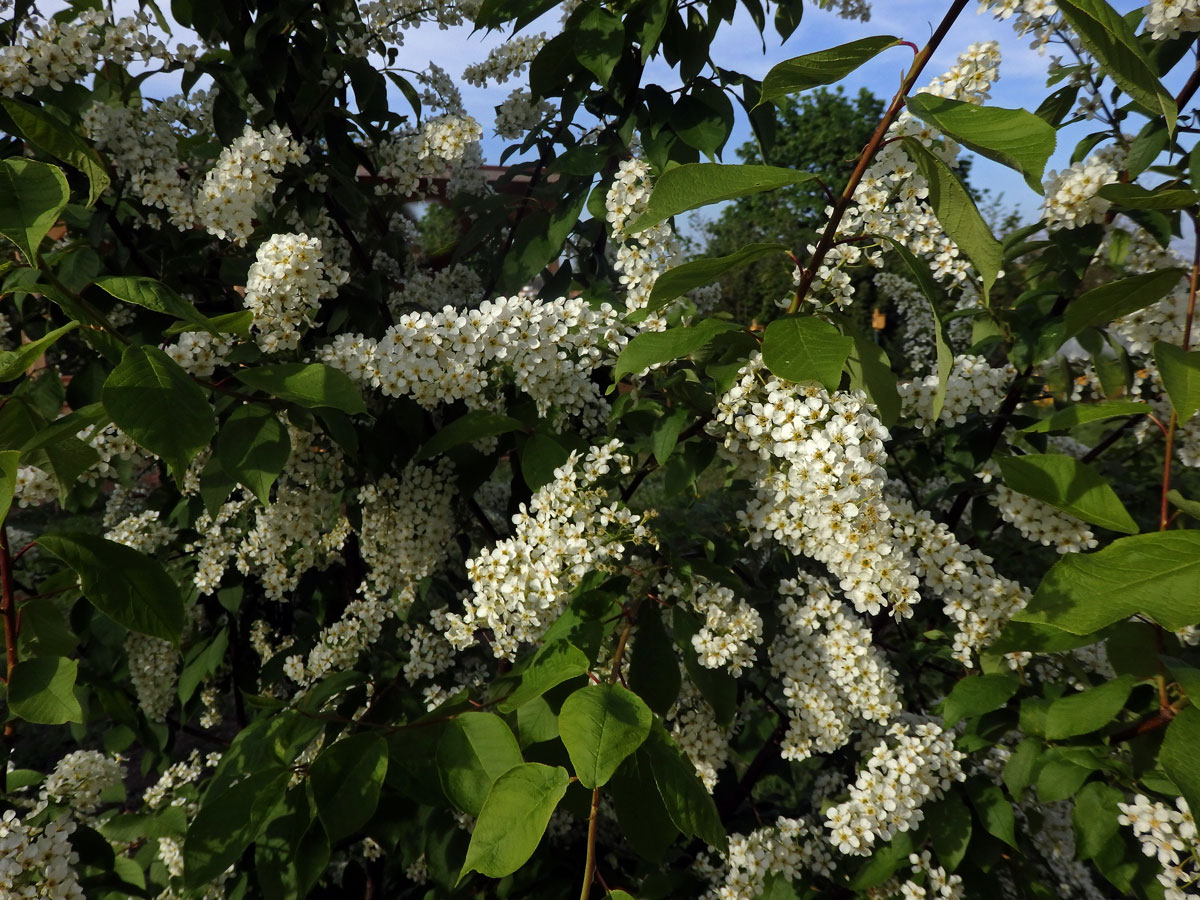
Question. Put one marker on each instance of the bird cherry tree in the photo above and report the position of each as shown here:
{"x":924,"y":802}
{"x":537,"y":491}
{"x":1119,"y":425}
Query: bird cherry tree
{"x":350,"y":553}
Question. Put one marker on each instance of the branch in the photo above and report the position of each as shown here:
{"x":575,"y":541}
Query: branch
{"x":829,"y":236}
{"x":8,"y":608}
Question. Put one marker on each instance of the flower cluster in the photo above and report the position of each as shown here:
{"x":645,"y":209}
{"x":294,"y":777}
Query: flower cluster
{"x":79,"y":779}
{"x":434,"y":150}
{"x":849,"y":9}
{"x":37,"y":863}
{"x":546,"y":349}
{"x":505,"y":61}
{"x":407,"y":527}
{"x":644,"y":255}
{"x":285,"y":286}
{"x":974,"y":595}
{"x":834,"y":681}
{"x":1072,"y":195}
{"x":730,"y":628}
{"x":243,"y":178}
{"x":818,"y":482}
{"x":1168,"y":19}
{"x":1035,"y":17}
{"x":519,"y":113}
{"x":521,"y":584}
{"x":154,"y":671}
{"x":303,"y":528}
{"x":142,"y":531}
{"x":693,"y":725}
{"x":1038,"y":521}
{"x":142,"y":146}
{"x":56,"y":51}
{"x":972,"y":385}
{"x":1169,"y":835}
{"x":914,"y":764}
{"x":172,"y":786}
{"x":199,"y":353}
{"x":789,"y":848}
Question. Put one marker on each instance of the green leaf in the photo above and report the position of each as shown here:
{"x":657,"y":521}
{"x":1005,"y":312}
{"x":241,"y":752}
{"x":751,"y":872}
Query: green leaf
{"x":1110,"y":301}
{"x":42,"y":690}
{"x":1082,"y":413}
{"x":538,"y":240}
{"x":600,"y":725}
{"x":823,"y":67}
{"x":1012,"y":137}
{"x":1154,"y":574}
{"x":924,"y":279}
{"x":1067,"y":484}
{"x":536,"y":722}
{"x":154,"y":401}
{"x":871,"y":371}
{"x":993,"y":809}
{"x":653,"y":667}
{"x":950,"y":829}
{"x":227,"y":323}
{"x":599,"y":43}
{"x":642,"y":817}
{"x":805,"y":348}
{"x":1111,"y":40}
{"x":1021,"y":766}
{"x":1061,"y":774}
{"x":554,"y":663}
{"x":978,"y":694}
{"x":154,"y":295}
{"x":51,"y":136}
{"x":1087,"y":711}
{"x":9,"y":463}
{"x":688,"y":804}
{"x":957,"y":214}
{"x":129,"y":587}
{"x":475,"y":425}
{"x":665,"y":435}
{"x":347,"y":778}
{"x":653,"y":348}
{"x":228,"y":821}
{"x":1191,"y":507}
{"x":1094,"y":817}
{"x":1180,"y":371}
{"x":693,"y":185}
{"x":514,"y":818}
{"x":475,"y":749}
{"x":14,"y":363}
{"x":1134,"y":196}
{"x":540,"y":455}
{"x":202,"y":665}
{"x":699,"y":272}
{"x":1178,"y":755}
{"x":32,"y":194}
{"x":307,"y":384}
{"x":253,"y":447}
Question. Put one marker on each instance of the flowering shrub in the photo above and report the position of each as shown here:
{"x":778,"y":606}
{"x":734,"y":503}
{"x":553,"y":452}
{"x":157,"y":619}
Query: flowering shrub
{"x":336,"y":564}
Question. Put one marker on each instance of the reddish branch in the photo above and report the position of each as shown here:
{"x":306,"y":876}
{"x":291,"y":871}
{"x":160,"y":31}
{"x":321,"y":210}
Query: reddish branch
{"x":1164,"y":512}
{"x":589,"y":863}
{"x":829,"y":236}
{"x":8,"y":608}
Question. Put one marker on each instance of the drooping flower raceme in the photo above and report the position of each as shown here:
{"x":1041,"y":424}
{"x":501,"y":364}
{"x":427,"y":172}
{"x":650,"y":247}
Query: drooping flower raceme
{"x":570,"y":527}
